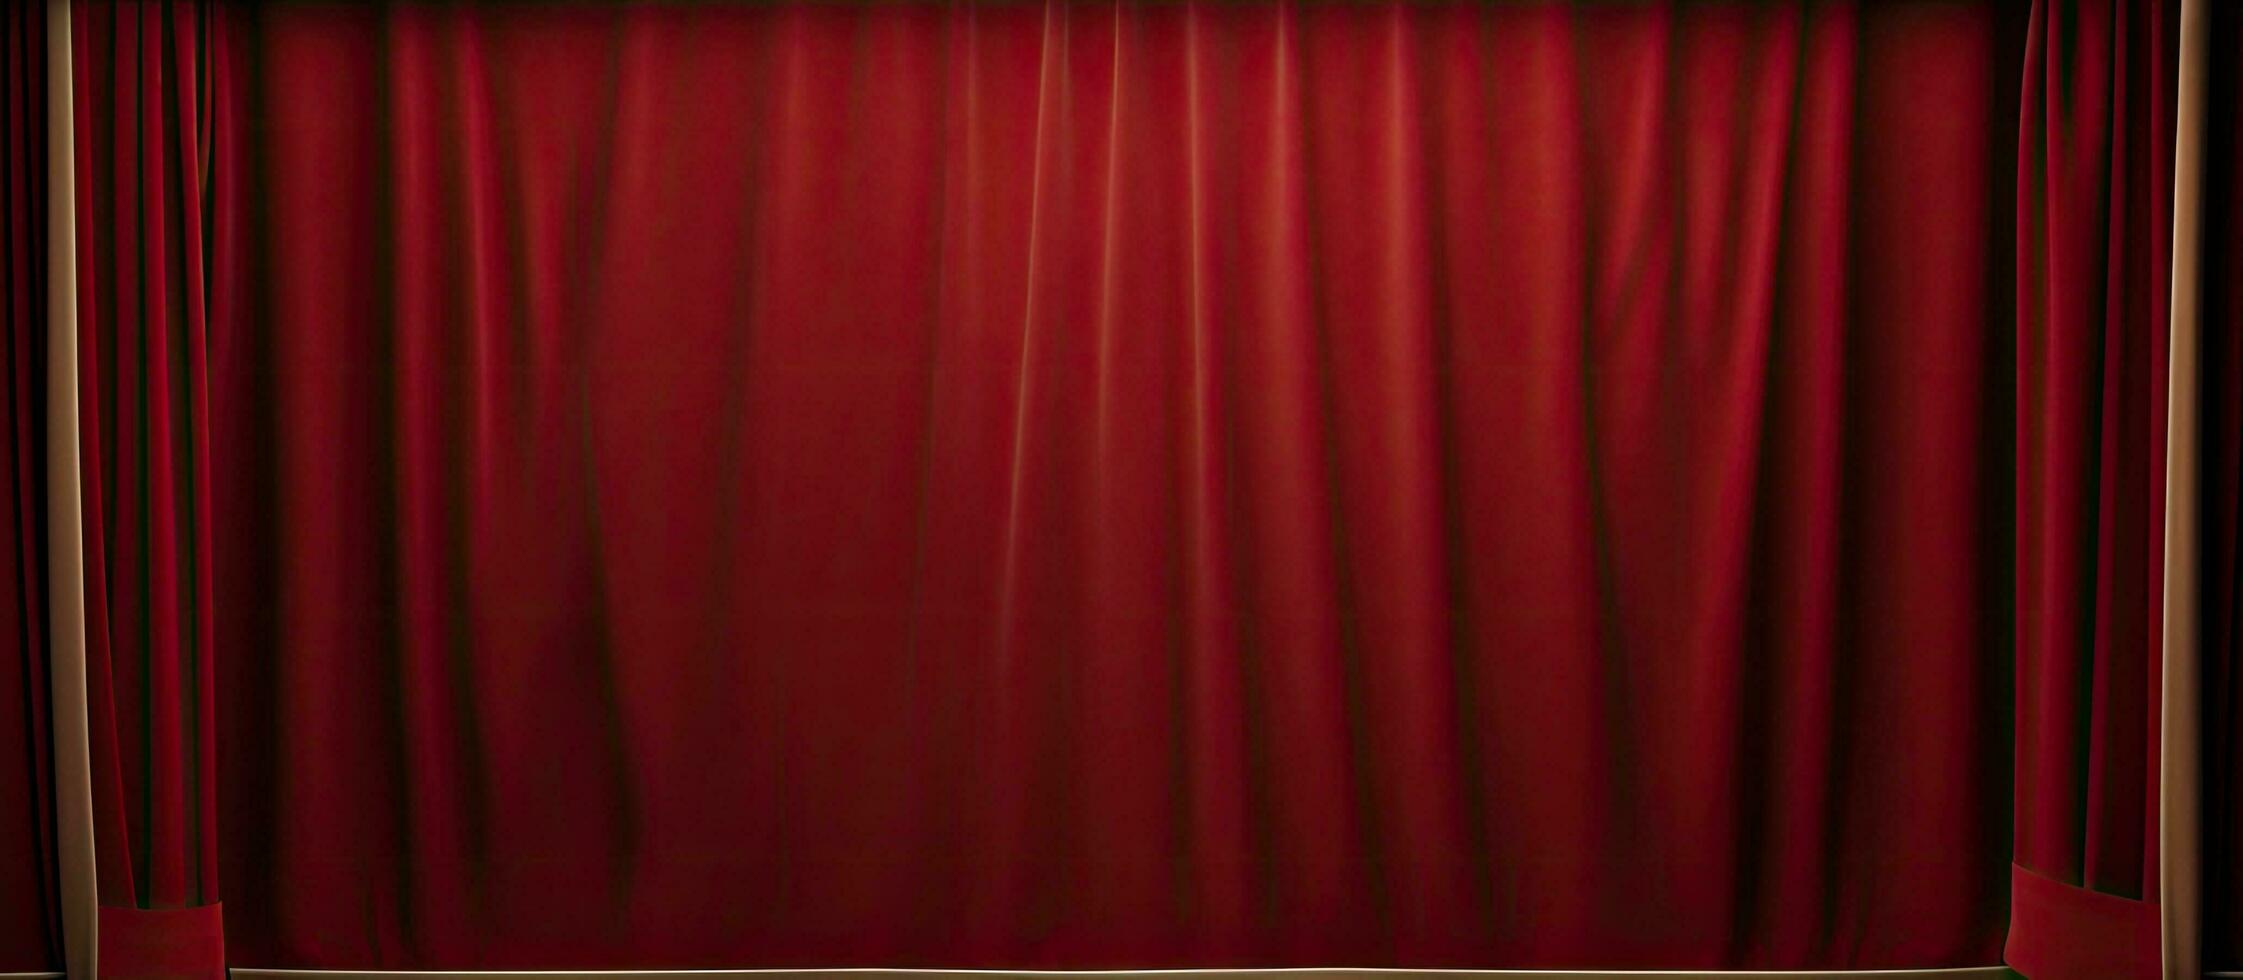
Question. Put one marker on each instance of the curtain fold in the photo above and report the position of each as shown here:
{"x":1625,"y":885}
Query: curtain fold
{"x":2095,"y":165}
{"x":153,"y":133}
{"x":30,"y":918}
{"x":1118,"y":485}
{"x":1092,"y":486}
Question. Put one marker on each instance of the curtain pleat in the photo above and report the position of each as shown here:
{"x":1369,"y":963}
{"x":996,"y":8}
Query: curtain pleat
{"x":149,"y":77}
{"x":1121,"y":486}
{"x":2095,"y":165}
{"x":30,"y":918}
{"x":1118,"y":485}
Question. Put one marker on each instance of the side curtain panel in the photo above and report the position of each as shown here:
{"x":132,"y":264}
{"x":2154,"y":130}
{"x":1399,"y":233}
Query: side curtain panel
{"x":2094,"y":237}
{"x":30,"y":919}
{"x":157,"y":211}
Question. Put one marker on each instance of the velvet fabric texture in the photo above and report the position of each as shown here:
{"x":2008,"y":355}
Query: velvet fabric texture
{"x":1159,"y":486}
{"x":2095,"y":171}
{"x":30,"y":924}
{"x":177,"y":943}
{"x":153,"y":118}
{"x":1095,"y":486}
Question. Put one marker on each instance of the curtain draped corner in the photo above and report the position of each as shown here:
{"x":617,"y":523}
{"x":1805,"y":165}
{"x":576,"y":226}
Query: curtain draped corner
{"x":2065,"y":932}
{"x":163,"y":944}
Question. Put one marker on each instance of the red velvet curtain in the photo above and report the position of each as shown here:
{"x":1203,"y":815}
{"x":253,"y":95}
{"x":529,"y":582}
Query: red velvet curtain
{"x":2223,"y":494}
{"x":1146,"y":486}
{"x":156,"y":170}
{"x":2095,"y":170}
{"x":30,"y":926}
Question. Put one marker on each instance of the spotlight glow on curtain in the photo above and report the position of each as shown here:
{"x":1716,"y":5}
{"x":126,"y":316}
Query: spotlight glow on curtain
{"x":1194,"y":486}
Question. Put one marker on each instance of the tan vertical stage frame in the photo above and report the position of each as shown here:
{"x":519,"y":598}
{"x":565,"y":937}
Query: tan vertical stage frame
{"x":66,"y":564}
{"x":2180,"y":772}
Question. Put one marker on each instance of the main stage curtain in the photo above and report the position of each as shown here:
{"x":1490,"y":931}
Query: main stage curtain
{"x":30,"y":921}
{"x":155,"y":171}
{"x":2222,"y":551}
{"x":1119,"y":485}
{"x":2095,"y":171}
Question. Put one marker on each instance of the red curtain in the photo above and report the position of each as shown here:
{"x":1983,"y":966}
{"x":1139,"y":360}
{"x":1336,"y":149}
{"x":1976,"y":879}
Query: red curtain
{"x":1156,"y":486}
{"x":2095,"y":166}
{"x":156,"y":170}
{"x":30,"y":926}
{"x":2223,"y":494}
